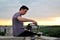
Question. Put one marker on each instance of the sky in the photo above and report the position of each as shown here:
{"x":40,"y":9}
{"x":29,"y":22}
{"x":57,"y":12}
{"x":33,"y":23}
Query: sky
{"x":38,"y":9}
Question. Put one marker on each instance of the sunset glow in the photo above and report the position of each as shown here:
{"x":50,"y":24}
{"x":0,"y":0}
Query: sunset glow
{"x":47,"y":21}
{"x":5,"y":22}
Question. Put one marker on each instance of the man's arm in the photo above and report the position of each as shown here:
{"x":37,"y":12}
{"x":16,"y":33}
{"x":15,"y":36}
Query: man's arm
{"x":24,"y":19}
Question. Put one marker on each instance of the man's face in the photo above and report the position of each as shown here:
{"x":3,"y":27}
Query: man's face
{"x":23,"y":11}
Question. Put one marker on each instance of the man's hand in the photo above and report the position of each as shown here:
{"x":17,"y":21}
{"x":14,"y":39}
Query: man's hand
{"x":34,"y":22}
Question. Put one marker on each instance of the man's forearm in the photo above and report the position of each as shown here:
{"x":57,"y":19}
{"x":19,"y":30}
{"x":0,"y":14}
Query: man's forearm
{"x":25,"y":19}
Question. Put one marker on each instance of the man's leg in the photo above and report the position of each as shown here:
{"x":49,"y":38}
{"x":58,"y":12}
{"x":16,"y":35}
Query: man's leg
{"x":27,"y":33}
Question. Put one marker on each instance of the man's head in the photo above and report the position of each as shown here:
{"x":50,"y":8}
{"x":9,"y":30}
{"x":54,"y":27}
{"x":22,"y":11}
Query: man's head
{"x":23,"y":9}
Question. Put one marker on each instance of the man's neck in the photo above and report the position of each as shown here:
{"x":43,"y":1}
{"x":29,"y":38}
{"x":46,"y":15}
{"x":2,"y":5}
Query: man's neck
{"x":20,"y":13}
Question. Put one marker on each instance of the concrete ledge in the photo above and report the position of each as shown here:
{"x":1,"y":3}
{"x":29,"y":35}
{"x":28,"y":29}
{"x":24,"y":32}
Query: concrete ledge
{"x":27,"y":38}
{"x":48,"y":38}
{"x":14,"y":38}
{"x":11,"y":38}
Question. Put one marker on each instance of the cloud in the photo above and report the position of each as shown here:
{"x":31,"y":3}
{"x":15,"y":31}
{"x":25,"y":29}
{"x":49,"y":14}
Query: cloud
{"x":38,"y":8}
{"x":45,"y":8}
{"x":7,"y":8}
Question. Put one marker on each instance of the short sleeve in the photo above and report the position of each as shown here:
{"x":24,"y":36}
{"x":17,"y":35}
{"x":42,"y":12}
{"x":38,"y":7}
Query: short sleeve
{"x":16,"y":15}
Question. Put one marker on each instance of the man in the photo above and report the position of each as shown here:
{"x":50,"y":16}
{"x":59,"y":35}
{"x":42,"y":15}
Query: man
{"x":17,"y":21}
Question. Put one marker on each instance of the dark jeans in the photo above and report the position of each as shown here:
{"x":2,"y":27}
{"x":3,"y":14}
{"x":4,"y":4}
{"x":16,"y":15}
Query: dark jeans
{"x":26,"y":34}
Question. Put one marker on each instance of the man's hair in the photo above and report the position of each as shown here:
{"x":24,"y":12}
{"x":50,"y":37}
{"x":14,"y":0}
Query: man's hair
{"x":24,"y":7}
